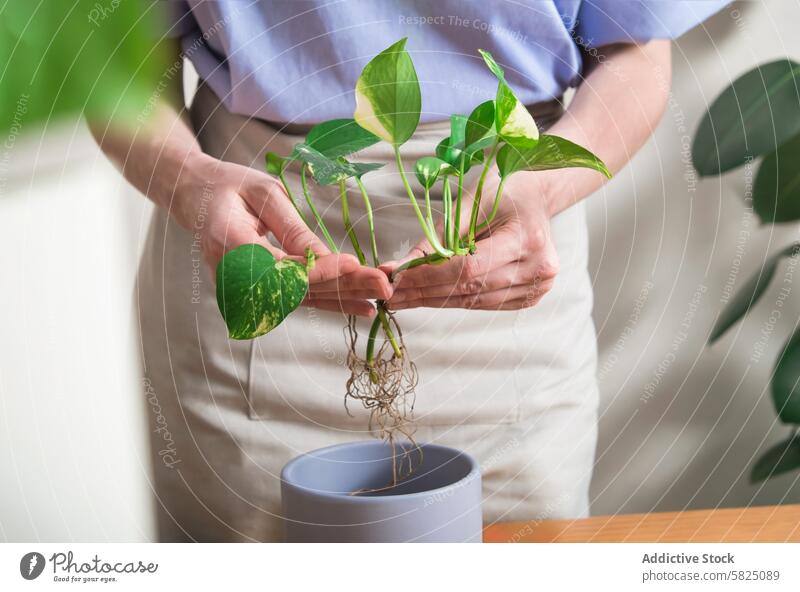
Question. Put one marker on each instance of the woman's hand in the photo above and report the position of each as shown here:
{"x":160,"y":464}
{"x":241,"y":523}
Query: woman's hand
{"x":227,"y":205}
{"x":613,"y":112}
{"x":514,"y":265}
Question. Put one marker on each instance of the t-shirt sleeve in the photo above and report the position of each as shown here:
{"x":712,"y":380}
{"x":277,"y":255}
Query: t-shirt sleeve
{"x":601,"y":22}
{"x":174,"y":18}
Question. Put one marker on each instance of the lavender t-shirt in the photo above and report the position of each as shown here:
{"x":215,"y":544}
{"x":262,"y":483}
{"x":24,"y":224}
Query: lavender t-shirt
{"x":298,"y":61}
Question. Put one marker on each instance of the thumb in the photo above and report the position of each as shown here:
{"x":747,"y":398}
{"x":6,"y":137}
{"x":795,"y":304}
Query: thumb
{"x":288,"y":227}
{"x":419,"y":250}
{"x":423,"y":247}
{"x":237,"y":235}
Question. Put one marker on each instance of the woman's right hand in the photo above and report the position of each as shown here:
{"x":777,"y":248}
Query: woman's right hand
{"x":227,"y":205}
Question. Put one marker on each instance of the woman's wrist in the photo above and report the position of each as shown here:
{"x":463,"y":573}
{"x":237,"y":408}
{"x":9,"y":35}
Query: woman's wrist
{"x":533,"y":190}
{"x":190,"y":179}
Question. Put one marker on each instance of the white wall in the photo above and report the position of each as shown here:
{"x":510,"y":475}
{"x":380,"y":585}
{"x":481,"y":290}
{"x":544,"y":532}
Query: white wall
{"x":72,"y":448}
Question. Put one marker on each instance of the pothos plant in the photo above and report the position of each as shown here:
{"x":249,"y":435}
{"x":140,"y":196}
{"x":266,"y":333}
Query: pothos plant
{"x":758,"y":116}
{"x":255,"y":292}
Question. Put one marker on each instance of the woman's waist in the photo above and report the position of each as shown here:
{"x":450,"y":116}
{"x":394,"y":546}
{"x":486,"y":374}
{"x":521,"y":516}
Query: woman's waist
{"x":545,"y":114}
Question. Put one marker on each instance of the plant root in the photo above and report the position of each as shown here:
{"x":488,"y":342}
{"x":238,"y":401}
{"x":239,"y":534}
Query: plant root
{"x":385,"y":386}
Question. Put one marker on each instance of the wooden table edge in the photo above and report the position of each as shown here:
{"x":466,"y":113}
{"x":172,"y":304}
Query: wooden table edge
{"x":757,"y":524}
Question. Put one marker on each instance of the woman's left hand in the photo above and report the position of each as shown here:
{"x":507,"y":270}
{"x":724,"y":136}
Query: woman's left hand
{"x":514,"y":265}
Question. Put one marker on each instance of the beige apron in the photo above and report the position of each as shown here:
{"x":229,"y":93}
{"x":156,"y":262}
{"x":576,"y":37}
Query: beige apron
{"x":515,"y":389}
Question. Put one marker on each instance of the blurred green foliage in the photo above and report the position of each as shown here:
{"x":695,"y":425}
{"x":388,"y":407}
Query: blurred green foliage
{"x":72,"y":57}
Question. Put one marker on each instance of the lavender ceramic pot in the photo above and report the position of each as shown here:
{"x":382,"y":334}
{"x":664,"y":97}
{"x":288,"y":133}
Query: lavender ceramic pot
{"x":439,"y":502}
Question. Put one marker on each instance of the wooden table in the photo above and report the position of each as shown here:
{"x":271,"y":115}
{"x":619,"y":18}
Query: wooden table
{"x":767,"y":524}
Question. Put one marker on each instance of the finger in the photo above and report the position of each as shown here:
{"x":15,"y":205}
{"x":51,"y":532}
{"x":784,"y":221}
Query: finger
{"x":517,"y":273}
{"x":273,"y":207}
{"x":330,"y":267}
{"x":418,"y":250}
{"x":424,"y":247}
{"x":371,"y":287}
{"x":354,"y":280}
{"x":238,"y":231}
{"x":502,"y":247}
{"x":363,"y":278}
{"x":361,"y":308}
{"x":348,"y":295}
{"x":495,"y":300}
{"x":521,"y":303}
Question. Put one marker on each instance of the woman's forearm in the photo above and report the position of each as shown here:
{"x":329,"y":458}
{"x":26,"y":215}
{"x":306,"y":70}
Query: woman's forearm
{"x":614,"y":111}
{"x":161,"y":154}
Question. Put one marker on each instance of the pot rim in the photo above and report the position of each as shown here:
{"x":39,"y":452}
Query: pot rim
{"x":473,"y":473}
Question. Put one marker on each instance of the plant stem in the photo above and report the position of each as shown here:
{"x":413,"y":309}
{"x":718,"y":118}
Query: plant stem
{"x":373,"y":333}
{"x":429,"y":233}
{"x":430,"y":259}
{"x":455,"y":241}
{"x":495,"y":206}
{"x":314,"y":212}
{"x":476,"y":204}
{"x":428,"y":212}
{"x":348,"y":226}
{"x":387,"y":329}
{"x":292,"y":198}
{"x":381,"y":320}
{"x":447,"y":206}
{"x":371,"y":222}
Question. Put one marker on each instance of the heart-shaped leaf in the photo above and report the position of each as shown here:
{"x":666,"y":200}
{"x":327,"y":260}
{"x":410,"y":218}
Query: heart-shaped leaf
{"x":513,"y":121}
{"x":781,"y":458}
{"x":550,"y":152}
{"x":479,"y":124}
{"x":388,"y":99}
{"x":753,"y":116}
{"x":328,"y":171}
{"x":340,"y":137}
{"x":275,"y":164}
{"x":255,"y":292}
{"x":429,"y":168}
{"x":747,"y":296}
{"x":786,"y":381}
{"x":776,"y":193}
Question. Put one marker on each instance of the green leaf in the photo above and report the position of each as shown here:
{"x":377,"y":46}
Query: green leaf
{"x":328,"y":171}
{"x":255,"y":293}
{"x":458,"y":130}
{"x":482,"y":144}
{"x":512,"y":118}
{"x":450,"y":149}
{"x":786,"y":381}
{"x":550,"y":152}
{"x":275,"y":164}
{"x":446,"y":152}
{"x":781,"y":458}
{"x":776,"y":194}
{"x":479,"y":124}
{"x":513,"y":121}
{"x":429,"y":168}
{"x":388,"y":100}
{"x":493,"y":65}
{"x":747,"y":296}
{"x":757,"y":113}
{"x":67,"y":58}
{"x":340,"y":137}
